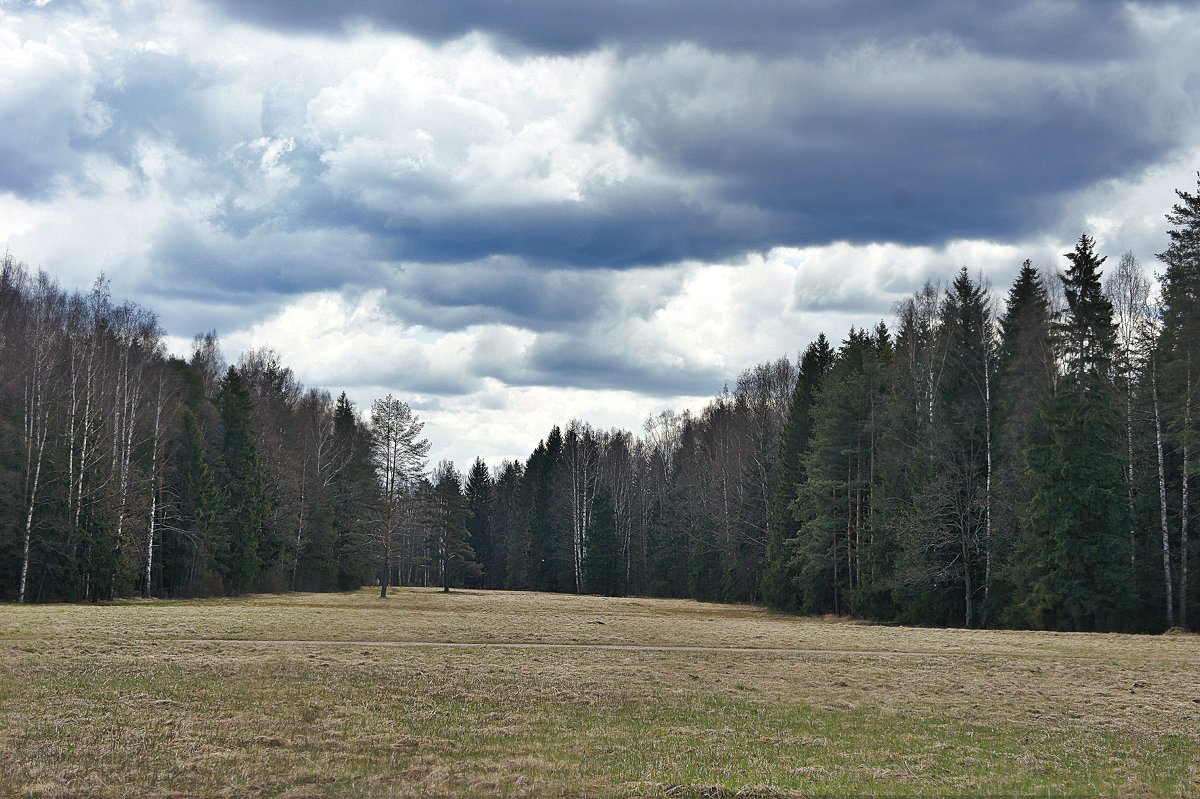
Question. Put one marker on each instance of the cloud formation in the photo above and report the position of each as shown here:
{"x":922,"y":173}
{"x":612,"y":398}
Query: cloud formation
{"x":509,"y":203}
{"x":1029,"y":29}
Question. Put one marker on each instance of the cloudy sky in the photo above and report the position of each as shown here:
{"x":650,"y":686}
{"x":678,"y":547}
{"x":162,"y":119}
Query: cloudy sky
{"x":512,"y":214}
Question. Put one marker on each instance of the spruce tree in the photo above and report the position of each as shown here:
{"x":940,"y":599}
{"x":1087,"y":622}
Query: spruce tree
{"x":447,"y":519}
{"x":510,"y":515}
{"x":354,"y":497}
{"x":1088,"y":333}
{"x":704,"y":562}
{"x":833,"y":555}
{"x":198,"y":535}
{"x":547,"y":550}
{"x":1025,"y":383}
{"x":480,"y":498}
{"x":601,"y":565}
{"x":948,"y":535}
{"x":1180,"y":357}
{"x":779,"y":589}
{"x":1077,"y":513}
{"x":245,"y":487}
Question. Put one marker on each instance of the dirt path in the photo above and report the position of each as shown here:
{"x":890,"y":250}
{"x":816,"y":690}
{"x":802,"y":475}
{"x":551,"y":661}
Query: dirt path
{"x":535,"y":645}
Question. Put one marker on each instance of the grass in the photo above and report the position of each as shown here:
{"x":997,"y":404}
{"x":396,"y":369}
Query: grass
{"x":316,"y":695}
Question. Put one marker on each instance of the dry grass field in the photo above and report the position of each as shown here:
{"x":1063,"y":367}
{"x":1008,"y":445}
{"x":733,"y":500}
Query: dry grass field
{"x":505,"y":694}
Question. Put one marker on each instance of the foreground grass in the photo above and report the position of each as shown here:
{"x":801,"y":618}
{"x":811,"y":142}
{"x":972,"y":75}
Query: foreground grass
{"x":313,"y":695}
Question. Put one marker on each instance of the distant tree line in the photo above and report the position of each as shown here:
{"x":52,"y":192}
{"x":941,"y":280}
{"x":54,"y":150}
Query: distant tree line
{"x":124,"y":471}
{"x":977,"y":463}
{"x":1028,"y":464}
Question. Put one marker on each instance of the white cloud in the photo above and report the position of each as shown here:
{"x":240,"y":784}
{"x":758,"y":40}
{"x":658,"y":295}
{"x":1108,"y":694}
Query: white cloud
{"x":462,"y":119}
{"x":47,"y":96}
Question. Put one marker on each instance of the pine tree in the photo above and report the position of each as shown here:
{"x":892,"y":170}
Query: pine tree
{"x":399,"y":459}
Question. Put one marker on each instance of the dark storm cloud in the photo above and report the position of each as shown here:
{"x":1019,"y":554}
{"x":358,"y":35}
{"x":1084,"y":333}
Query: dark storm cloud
{"x":1092,"y":30}
{"x":783,"y":148}
{"x":794,"y":138}
{"x":628,"y":228}
{"x":453,"y":297}
{"x":196,"y":274}
{"x":824,"y":161}
{"x":598,"y":362}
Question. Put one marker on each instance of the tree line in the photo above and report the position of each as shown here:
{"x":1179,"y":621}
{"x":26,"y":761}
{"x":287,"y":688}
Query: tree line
{"x":124,"y":471}
{"x":1025,"y":463}
{"x":979,"y":462}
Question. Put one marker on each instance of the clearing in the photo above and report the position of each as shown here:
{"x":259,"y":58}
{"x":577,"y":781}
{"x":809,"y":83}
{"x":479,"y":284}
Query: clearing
{"x":519,"y":694}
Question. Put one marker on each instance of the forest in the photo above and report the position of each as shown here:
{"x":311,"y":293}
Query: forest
{"x":979,"y":460}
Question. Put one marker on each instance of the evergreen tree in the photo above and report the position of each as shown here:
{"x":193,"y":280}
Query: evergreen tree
{"x":601,"y":566}
{"x":549,"y":553}
{"x":398,"y":456}
{"x":245,"y":487}
{"x":480,"y":499}
{"x":189,"y":551}
{"x":1180,"y":356}
{"x":669,"y":551}
{"x":1077,"y":512}
{"x":510,"y":521}
{"x":448,"y":516}
{"x":948,"y":543}
{"x":1076,"y":517}
{"x":835,"y":554}
{"x":1088,"y":334}
{"x":704,"y":562}
{"x":353,"y":497}
{"x":1025,"y":383}
{"x":779,"y":589}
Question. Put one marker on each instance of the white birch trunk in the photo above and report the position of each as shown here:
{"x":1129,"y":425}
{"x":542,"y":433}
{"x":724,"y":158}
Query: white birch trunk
{"x":1162,"y":495}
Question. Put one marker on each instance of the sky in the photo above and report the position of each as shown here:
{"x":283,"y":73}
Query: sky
{"x":514,"y":214}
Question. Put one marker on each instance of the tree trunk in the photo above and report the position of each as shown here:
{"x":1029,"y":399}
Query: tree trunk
{"x":150,"y":539}
{"x":35,"y":432}
{"x":155,"y":482}
{"x":386,"y":577}
{"x":1183,"y":544}
{"x":987,"y":491}
{"x":1162,"y":495}
{"x":1183,"y":513}
{"x":34,"y":482}
{"x":967,"y":587}
{"x":1129,"y":477}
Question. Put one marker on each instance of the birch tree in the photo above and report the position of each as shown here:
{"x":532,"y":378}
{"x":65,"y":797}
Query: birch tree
{"x":39,"y":381}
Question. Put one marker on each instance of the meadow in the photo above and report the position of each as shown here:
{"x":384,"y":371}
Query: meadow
{"x":521,"y":694}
